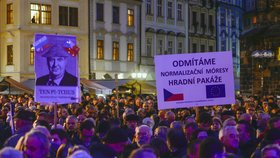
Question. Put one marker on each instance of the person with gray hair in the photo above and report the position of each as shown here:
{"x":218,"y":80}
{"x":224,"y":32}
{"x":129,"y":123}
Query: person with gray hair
{"x":9,"y":152}
{"x":271,"y":151}
{"x":36,"y":145}
{"x":228,"y":135}
{"x":143,"y":135}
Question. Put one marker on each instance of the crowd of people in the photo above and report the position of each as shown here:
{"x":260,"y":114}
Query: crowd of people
{"x":131,"y":126}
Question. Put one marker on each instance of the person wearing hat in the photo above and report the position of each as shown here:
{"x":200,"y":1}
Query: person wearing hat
{"x":58,"y":76}
{"x":23,"y":123}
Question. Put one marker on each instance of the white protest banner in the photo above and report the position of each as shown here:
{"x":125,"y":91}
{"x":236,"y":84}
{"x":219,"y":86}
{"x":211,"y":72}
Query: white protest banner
{"x":196,"y":79}
{"x":56,"y":69}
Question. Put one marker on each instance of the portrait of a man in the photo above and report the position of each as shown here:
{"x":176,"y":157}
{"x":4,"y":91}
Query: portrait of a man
{"x":57,"y":59}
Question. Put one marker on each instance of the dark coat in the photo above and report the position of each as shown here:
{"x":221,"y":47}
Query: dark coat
{"x":67,"y":80}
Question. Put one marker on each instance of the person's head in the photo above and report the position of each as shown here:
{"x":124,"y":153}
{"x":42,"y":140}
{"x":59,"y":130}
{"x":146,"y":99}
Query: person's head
{"x":57,"y":61}
{"x":160,"y":147}
{"x":143,"y":152}
{"x":193,"y":149}
{"x":170,"y":116}
{"x":245,"y":131}
{"x":9,"y":152}
{"x":143,"y":135}
{"x":216,"y":124}
{"x":246,"y":117}
{"x":228,"y":135}
{"x":274,"y":122}
{"x":23,"y":118}
{"x":36,"y":145}
{"x":116,"y":139}
{"x":59,"y":136}
{"x":80,"y":154}
{"x":131,"y":121}
{"x":189,"y":129}
{"x":161,"y":132}
{"x":271,"y":151}
{"x":176,"y":139}
{"x":71,"y":123}
{"x":62,"y":112}
{"x":86,"y":131}
{"x":229,"y":122}
{"x":204,"y":120}
{"x":200,"y":134}
{"x":210,"y":147}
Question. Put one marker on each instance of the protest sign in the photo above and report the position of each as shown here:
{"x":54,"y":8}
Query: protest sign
{"x":196,"y":79}
{"x":56,"y":69}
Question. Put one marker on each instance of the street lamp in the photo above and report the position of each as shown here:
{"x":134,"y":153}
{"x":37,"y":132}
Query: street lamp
{"x":261,"y":54}
{"x":138,"y":76}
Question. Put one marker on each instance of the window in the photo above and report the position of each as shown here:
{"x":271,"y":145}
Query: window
{"x":254,"y":20}
{"x":202,"y":20}
{"x":99,"y":12}
{"x":194,"y":47}
{"x":10,"y":11}
{"x":130,"y":54}
{"x":159,"y":7}
{"x":116,"y":15}
{"x":149,"y":47}
{"x":40,"y":13}
{"x":170,"y":47}
{"x":31,"y":57}
{"x":100,"y":49}
{"x":210,"y":49}
{"x":194,"y":18}
{"x":160,"y":46}
{"x":223,"y":45}
{"x":130,"y":17}
{"x":149,"y":7}
{"x":202,"y":48}
{"x":10,"y":55}
{"x":179,"y":12}
{"x":180,"y":48}
{"x":210,"y":20}
{"x":73,"y":17}
{"x":68,"y":16}
{"x":115,"y":50}
{"x":169,"y":10}
{"x":233,"y":22}
{"x":223,"y":18}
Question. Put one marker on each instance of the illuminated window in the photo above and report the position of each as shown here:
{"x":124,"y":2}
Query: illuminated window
{"x":68,"y":16}
{"x":31,"y":59}
{"x":130,"y":53}
{"x":180,"y":12}
{"x":254,"y":20}
{"x":115,"y":50}
{"x":40,"y":13}
{"x":10,"y":16}
{"x":100,"y":49}
{"x":159,"y":8}
{"x":130,"y":17}
{"x":10,"y":55}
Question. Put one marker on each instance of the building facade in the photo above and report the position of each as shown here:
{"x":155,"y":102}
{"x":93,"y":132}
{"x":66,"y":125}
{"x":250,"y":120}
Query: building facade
{"x":260,"y":48}
{"x":20,"y":20}
{"x":164,"y":31}
{"x":202,"y":26}
{"x":229,"y":27}
{"x":114,"y":37}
